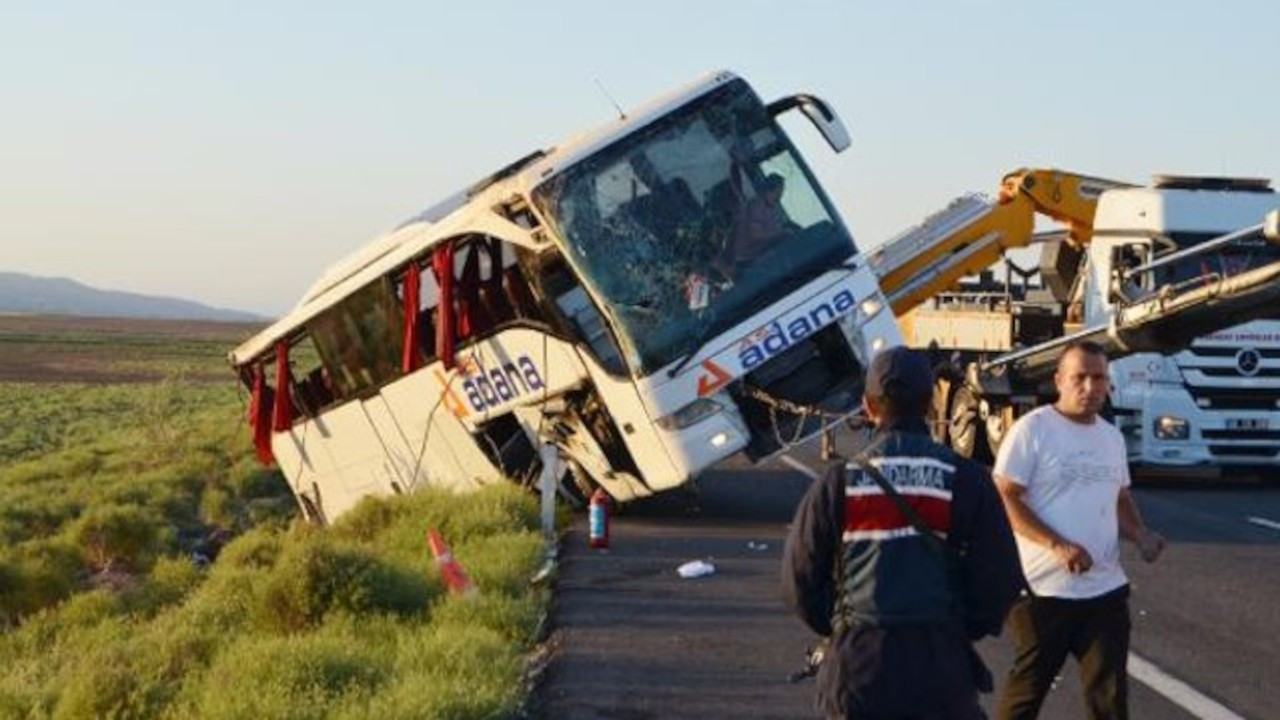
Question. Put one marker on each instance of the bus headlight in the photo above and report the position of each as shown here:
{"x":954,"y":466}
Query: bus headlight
{"x":851,"y":324}
{"x":694,"y":412}
{"x":869,"y":308}
{"x":1168,"y":427}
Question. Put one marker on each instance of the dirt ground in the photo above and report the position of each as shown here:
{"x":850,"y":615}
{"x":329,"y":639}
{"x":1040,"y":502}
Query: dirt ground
{"x":56,"y":348}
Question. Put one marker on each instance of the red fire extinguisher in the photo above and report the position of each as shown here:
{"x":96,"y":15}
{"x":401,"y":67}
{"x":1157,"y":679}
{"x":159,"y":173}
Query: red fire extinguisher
{"x":598,"y":519}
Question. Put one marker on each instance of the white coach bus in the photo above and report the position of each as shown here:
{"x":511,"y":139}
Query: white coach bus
{"x":652,"y":297}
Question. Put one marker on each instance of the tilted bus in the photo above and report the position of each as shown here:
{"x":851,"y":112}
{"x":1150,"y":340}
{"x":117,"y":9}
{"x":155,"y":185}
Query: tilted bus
{"x":591,"y":296}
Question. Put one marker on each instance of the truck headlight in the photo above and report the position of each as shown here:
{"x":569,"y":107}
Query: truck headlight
{"x":694,"y":412}
{"x":1168,"y":427}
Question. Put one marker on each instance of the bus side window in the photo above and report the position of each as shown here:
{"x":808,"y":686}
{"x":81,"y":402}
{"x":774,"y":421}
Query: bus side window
{"x":512,"y":284}
{"x":360,"y":339}
{"x":314,"y":392}
{"x":491,"y":289}
{"x":428,"y":315}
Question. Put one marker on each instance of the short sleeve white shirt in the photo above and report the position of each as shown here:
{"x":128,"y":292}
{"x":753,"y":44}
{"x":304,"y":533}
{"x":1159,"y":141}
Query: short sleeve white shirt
{"x":1073,"y":473}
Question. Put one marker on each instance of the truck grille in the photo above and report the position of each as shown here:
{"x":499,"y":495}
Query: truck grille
{"x":1232,"y":398}
{"x":1235,"y":372}
{"x":1238,"y":451}
{"x":1230,"y":352}
{"x":1272,"y":435}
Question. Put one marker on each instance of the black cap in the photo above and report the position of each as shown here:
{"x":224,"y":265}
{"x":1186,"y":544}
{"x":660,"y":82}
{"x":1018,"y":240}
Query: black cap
{"x":900,"y":373}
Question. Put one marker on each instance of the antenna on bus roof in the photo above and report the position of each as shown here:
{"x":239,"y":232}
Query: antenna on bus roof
{"x":621,"y":115}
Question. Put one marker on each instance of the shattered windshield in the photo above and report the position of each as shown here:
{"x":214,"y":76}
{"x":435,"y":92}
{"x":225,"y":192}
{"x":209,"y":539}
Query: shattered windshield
{"x":694,"y":223}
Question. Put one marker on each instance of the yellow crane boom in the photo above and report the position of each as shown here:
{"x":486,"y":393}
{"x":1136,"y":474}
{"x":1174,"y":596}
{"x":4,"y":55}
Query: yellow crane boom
{"x":973,"y":233}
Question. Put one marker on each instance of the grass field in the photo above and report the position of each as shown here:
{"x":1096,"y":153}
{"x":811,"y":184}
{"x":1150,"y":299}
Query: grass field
{"x":125,"y":462}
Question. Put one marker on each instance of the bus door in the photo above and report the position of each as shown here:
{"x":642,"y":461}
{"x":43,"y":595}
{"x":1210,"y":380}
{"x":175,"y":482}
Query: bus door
{"x":619,"y":448}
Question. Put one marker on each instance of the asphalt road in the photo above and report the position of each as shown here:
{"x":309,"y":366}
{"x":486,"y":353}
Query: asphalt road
{"x":632,"y":640}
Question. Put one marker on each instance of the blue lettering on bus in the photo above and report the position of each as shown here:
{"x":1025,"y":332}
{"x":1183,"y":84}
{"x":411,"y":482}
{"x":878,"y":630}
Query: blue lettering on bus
{"x":774,"y":338}
{"x":487,"y":388}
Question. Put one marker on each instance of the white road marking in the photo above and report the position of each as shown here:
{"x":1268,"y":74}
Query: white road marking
{"x":1264,"y":522}
{"x":800,"y":467}
{"x":1178,"y":692}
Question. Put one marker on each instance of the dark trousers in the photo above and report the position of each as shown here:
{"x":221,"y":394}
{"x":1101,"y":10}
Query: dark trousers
{"x":965,"y":713}
{"x":1045,"y":630}
{"x":903,"y":672}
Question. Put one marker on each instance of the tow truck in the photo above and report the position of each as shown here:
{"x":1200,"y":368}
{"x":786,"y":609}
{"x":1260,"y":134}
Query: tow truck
{"x":1177,"y":280}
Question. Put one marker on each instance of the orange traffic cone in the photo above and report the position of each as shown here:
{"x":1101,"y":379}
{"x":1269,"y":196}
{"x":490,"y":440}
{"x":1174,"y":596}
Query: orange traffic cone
{"x":455,"y":578}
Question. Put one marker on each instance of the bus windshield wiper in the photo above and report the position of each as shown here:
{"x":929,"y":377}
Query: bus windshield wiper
{"x":699,"y":340}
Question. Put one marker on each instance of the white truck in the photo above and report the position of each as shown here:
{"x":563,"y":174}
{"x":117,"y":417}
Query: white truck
{"x":1129,"y":257}
{"x":1216,"y":403}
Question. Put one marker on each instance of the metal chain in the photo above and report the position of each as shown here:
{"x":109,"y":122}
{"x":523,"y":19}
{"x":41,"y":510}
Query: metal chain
{"x":789,"y":406}
{"x":777,"y":432}
{"x":803,"y":412}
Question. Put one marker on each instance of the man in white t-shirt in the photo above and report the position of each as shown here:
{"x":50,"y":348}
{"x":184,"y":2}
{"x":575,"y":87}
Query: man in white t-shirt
{"x":1064,"y":476}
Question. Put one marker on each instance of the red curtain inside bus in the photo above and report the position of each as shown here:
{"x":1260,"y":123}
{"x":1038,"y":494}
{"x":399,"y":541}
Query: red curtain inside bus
{"x":473,"y":318}
{"x":258,"y":422}
{"x":442,"y":264}
{"x":282,"y":408}
{"x":411,"y":358}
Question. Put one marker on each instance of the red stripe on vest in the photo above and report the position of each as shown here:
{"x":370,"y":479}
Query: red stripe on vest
{"x":878,"y":512}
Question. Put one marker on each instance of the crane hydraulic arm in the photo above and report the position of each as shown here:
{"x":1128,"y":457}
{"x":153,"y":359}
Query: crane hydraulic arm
{"x":973,"y":232}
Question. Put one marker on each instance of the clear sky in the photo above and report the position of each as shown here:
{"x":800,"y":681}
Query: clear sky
{"x":227,"y":152}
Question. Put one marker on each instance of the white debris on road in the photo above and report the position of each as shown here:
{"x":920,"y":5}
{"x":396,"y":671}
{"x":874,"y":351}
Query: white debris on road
{"x":695,"y":569}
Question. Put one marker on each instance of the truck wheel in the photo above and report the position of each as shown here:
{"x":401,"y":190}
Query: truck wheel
{"x":965,"y":429}
{"x":938,"y":418}
{"x":998,"y":423}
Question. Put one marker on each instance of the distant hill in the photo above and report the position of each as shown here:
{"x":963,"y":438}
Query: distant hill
{"x":21,"y":293}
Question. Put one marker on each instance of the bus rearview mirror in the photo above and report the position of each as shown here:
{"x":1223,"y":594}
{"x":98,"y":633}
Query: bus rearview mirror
{"x":820,"y":114}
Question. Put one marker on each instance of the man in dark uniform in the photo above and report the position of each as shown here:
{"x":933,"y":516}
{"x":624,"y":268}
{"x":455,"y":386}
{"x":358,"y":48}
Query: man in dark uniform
{"x":901,"y":607}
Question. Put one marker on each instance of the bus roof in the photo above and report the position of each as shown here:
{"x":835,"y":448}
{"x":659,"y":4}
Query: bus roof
{"x":468,"y":211}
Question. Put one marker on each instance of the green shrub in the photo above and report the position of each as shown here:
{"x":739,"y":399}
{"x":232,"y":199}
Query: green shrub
{"x":104,"y":684}
{"x":32,"y":513}
{"x":401,"y":523}
{"x":314,"y":578}
{"x":131,"y":670}
{"x":112,"y":535}
{"x":86,"y":673}
{"x":226,"y":601}
{"x":295,"y":677}
{"x":451,"y":673}
{"x":85,"y":609}
{"x":515,"y":617}
{"x":498,"y":508}
{"x":36,"y":575}
{"x":274,"y":511}
{"x":257,"y":548}
{"x":248,"y":479}
{"x":12,"y":603}
{"x":371,"y":517}
{"x":501,"y":562}
{"x":169,"y":581}
{"x":369,"y":629}
{"x":218,"y":507}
